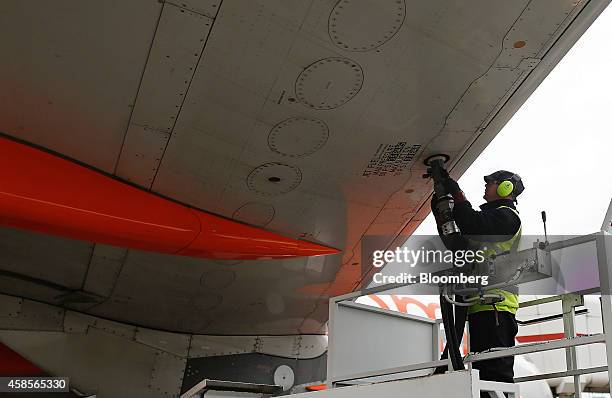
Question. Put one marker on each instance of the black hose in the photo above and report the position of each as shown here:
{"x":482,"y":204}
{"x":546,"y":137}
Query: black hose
{"x":442,"y":208}
{"x":452,"y":342}
{"x":451,"y":336}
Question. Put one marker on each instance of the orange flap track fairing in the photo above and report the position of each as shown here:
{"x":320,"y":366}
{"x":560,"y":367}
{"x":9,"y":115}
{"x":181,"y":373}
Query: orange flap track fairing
{"x":46,"y":193}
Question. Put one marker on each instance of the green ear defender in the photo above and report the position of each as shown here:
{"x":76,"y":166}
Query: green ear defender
{"x":505,"y":188}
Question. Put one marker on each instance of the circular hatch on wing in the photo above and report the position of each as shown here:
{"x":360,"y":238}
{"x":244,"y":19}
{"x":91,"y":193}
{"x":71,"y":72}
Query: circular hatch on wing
{"x":329,"y":83}
{"x":254,"y":213}
{"x":363,"y":25}
{"x":272,"y":179}
{"x":298,"y":136}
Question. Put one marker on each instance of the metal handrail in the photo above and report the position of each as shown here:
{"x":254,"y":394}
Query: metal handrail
{"x":548,"y":318}
{"x":555,"y":375}
{"x":483,"y":356}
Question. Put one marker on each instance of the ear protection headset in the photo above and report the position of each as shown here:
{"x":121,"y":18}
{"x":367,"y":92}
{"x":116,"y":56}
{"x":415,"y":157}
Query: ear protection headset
{"x":508,"y":183}
{"x":505,"y":188}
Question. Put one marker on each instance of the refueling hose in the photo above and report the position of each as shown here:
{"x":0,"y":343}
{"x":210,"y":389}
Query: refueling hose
{"x":442,"y":207}
{"x":452,"y":344}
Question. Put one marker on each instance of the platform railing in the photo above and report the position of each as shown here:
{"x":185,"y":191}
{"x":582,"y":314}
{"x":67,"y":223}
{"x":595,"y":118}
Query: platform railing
{"x":570,"y":301}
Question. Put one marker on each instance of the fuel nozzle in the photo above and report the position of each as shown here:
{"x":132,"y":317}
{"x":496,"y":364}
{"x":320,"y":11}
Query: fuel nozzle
{"x":435,"y":171}
{"x":444,"y":201}
{"x":444,"y":206}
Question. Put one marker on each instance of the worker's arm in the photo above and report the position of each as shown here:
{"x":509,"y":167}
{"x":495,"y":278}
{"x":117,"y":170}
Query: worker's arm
{"x":490,"y":222}
{"x":473,"y":222}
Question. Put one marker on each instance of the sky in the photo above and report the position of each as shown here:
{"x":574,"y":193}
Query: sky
{"x":559,"y":142}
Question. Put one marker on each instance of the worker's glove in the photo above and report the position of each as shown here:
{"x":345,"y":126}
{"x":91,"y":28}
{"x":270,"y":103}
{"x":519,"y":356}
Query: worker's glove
{"x":451,"y":185}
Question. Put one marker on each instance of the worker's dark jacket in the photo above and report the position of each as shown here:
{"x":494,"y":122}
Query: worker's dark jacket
{"x":488,"y":329}
{"x":498,"y":228}
{"x":492,"y":221}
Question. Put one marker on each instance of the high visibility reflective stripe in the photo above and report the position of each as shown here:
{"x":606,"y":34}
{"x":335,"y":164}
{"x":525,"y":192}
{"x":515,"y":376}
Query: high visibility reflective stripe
{"x":510,"y":302}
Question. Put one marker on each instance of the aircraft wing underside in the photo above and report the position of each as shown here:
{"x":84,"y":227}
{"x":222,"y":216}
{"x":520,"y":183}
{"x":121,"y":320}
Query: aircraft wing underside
{"x":310,"y":119}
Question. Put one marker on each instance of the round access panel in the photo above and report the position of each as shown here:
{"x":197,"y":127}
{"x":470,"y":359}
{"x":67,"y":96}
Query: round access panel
{"x":272,"y":179}
{"x":298,"y":136}
{"x":364,"y":25}
{"x":255,"y":213}
{"x":284,"y":377}
{"x":329,"y":83}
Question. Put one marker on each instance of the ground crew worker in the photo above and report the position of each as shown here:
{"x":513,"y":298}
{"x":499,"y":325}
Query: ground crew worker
{"x":496,"y":227}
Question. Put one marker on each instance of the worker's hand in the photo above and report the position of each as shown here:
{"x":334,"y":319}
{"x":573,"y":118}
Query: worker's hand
{"x":451,"y":186}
